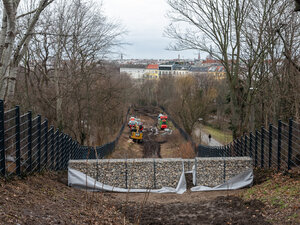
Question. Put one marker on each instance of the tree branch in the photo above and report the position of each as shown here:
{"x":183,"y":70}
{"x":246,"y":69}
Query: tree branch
{"x":287,"y":52}
{"x":25,"y":14}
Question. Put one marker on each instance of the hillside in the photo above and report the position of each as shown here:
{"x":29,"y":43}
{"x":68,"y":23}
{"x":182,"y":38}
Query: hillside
{"x":46,"y":199}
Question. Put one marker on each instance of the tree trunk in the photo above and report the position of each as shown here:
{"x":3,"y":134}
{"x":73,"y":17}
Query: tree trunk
{"x":9,"y":62}
{"x":59,"y":100}
{"x":7,"y":90}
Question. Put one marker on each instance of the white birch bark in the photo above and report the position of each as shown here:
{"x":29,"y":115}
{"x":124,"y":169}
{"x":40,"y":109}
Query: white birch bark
{"x":10,"y":62}
{"x":3,"y":33}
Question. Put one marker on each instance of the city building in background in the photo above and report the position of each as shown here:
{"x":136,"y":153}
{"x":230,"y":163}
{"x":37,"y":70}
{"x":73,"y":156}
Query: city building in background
{"x":155,"y":69}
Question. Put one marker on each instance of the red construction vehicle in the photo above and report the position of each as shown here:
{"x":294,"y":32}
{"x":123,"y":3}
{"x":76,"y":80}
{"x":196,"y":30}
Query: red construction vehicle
{"x":163,"y":122}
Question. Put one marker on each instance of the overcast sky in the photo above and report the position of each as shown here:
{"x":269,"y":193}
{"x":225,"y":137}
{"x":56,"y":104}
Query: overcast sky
{"x":145,"y":21}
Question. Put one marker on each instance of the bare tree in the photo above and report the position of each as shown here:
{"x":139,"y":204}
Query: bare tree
{"x":65,"y":68}
{"x":10,"y":56}
{"x":218,"y":24}
{"x":240,"y":34}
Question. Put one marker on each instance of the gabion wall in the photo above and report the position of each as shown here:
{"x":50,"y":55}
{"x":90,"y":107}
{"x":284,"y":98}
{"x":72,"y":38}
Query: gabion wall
{"x":157,"y":173}
{"x":213,"y":171}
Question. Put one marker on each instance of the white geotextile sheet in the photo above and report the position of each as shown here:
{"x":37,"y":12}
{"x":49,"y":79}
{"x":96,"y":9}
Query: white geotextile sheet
{"x":241,"y":180}
{"x":80,"y":180}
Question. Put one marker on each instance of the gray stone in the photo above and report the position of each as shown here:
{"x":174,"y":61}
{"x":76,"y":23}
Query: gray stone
{"x":157,"y":173}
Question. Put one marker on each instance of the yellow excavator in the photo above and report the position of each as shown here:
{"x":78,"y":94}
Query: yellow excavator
{"x":137,"y":133}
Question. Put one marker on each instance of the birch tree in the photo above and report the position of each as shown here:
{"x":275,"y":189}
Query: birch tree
{"x":11,"y":52}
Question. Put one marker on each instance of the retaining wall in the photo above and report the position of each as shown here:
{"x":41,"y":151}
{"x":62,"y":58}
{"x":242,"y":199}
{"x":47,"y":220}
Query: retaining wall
{"x":213,"y":171}
{"x":157,"y":173}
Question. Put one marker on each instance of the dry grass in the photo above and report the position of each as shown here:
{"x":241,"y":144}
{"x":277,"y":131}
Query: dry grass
{"x":185,"y":151}
{"x":224,"y":137}
{"x":46,"y":199}
{"x":280,"y":192}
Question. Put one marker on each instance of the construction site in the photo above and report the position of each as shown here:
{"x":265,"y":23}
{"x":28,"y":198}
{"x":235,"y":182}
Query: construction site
{"x":153,"y":140}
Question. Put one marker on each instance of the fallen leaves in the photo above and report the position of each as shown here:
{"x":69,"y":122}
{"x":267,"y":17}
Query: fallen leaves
{"x":41,"y":199}
{"x":281,"y":195}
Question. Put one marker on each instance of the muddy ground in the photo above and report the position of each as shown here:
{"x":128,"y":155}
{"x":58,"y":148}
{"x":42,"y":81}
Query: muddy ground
{"x":253,"y":205}
{"x":191,"y":208}
{"x":46,"y":199}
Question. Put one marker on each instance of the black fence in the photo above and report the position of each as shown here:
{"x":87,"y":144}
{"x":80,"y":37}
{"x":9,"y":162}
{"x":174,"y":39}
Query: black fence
{"x":98,"y":152}
{"x":275,"y":147}
{"x":28,"y":144}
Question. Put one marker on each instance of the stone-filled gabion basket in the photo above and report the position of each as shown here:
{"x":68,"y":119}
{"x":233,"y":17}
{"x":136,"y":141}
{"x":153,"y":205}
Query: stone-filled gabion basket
{"x":158,"y":173}
{"x":140,"y":173}
{"x":167,"y":172}
{"x":212,"y":171}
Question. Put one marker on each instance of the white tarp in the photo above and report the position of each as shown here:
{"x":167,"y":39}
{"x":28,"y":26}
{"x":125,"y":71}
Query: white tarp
{"x":241,"y":180}
{"x":80,"y":180}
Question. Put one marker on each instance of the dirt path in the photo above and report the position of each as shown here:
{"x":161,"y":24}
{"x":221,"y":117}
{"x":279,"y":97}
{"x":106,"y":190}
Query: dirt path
{"x":156,"y":144}
{"x":189,"y":208}
{"x":46,"y":199}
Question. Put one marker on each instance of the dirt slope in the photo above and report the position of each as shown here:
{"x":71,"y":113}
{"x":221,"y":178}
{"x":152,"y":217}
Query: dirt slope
{"x":190,"y":208}
{"x":46,"y":199}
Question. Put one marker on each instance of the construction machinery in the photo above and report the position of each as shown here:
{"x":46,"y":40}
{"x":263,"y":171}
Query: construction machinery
{"x":131,"y":122}
{"x":162,"y":121}
{"x":136,"y":133}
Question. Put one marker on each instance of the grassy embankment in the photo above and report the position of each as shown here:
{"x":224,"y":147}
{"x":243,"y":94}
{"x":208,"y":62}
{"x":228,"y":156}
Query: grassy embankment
{"x":280,"y":192}
{"x":224,"y":137}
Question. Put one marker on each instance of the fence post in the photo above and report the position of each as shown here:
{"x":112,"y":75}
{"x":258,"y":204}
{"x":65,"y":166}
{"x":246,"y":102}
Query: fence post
{"x":239,"y":146}
{"x":57,"y":150}
{"x":76,"y":154}
{"x":73,"y":150}
{"x":279,"y":145}
{"x":250,"y":145}
{"x":39,"y":142}
{"x":270,"y":145}
{"x":66,"y":146}
{"x":2,"y":145}
{"x":29,"y":141}
{"x":67,"y":155}
{"x":46,"y":143}
{"x":262,"y":150}
{"x":245,"y":145}
{"x":234,"y":147}
{"x":255,"y":148}
{"x":126,"y":175}
{"x":61,"y":140}
{"x":154,"y":174}
{"x":69,"y":151}
{"x":18,"y":150}
{"x":290,"y":144}
{"x":52,"y":147}
{"x":63,"y":152}
{"x":242,"y":144}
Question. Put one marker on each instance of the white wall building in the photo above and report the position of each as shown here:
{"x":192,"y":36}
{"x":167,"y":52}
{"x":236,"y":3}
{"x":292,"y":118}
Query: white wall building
{"x":135,"y":73}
